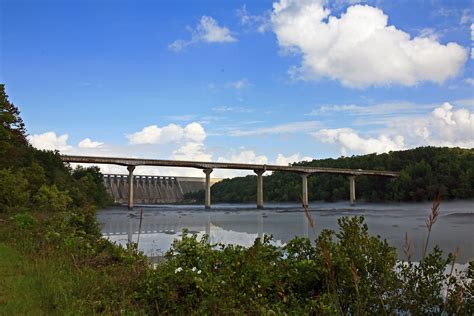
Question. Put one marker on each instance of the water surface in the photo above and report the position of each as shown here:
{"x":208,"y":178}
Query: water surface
{"x":242,"y":223}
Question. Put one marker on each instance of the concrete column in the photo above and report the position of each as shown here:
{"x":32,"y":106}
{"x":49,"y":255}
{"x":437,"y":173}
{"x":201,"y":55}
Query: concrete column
{"x":130,"y":186}
{"x":352,"y":186}
{"x":259,"y":187}
{"x":207,"y":197}
{"x":304,"y":194}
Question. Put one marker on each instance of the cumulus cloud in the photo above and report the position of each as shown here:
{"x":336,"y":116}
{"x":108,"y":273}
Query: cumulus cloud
{"x":50,"y":141}
{"x":207,"y":31}
{"x":360,"y":48}
{"x":444,"y":126}
{"x":286,"y":160}
{"x":245,"y":156}
{"x":168,"y":134}
{"x":448,"y":127}
{"x":242,"y":156}
{"x":88,"y":143}
{"x":192,"y":151}
{"x":350,"y":140}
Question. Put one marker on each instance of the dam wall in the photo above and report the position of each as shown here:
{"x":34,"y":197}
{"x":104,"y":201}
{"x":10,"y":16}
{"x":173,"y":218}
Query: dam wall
{"x":152,"y":189}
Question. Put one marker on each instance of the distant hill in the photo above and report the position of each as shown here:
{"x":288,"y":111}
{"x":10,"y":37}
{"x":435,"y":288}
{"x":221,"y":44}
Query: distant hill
{"x":423,"y":172}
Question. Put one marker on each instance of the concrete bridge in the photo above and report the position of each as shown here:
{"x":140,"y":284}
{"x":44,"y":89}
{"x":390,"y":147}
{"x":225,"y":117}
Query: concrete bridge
{"x":208,"y":167}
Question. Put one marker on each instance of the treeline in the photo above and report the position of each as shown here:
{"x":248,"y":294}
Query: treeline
{"x":423,"y":172}
{"x":38,"y":180}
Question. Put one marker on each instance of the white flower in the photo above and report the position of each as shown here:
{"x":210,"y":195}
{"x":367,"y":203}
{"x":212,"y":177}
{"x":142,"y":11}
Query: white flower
{"x":193,"y":269}
{"x":179,"y":269}
{"x":199,"y":272}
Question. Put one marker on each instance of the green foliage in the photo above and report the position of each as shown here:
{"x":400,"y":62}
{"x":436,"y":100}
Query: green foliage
{"x":60,"y":265}
{"x":14,"y":195}
{"x":24,"y":220}
{"x":423,"y":172}
{"x":89,"y":187}
{"x":50,"y":198}
{"x":347,"y":273}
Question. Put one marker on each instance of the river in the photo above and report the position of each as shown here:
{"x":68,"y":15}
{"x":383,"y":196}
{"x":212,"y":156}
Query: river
{"x":242,"y":223}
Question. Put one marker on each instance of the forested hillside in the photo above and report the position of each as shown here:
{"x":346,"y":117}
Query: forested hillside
{"x":423,"y":172}
{"x":35,"y":179}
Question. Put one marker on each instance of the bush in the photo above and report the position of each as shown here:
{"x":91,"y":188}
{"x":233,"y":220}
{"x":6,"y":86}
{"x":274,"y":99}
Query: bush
{"x":49,"y":198}
{"x":24,"y":220}
{"x":13,"y":191}
{"x":349,"y":272}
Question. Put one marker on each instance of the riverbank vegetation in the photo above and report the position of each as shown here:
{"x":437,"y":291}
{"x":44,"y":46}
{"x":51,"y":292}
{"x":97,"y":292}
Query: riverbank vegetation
{"x":54,"y":261}
{"x":423,"y":172}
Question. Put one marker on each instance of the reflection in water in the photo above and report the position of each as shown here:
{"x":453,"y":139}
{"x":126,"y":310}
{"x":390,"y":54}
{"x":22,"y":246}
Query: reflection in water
{"x":242,"y":224}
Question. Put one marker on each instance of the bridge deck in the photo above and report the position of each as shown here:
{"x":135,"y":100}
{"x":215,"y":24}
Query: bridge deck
{"x":222,"y":165}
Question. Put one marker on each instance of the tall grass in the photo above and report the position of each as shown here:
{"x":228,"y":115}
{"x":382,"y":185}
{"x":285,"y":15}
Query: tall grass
{"x":431,"y":220}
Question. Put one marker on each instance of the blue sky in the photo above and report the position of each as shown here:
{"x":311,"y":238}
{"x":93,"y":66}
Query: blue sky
{"x":260,"y":81}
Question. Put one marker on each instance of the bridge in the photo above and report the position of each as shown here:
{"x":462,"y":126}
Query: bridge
{"x":208,"y":167}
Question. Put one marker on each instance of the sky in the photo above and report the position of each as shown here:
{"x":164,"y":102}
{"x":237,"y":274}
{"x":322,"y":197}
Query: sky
{"x":269,"y":82}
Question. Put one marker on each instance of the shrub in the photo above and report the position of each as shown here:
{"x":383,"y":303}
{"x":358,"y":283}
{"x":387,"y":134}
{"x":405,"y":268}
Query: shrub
{"x":24,"y":220}
{"x":349,"y":272}
{"x":50,"y":198}
{"x":13,"y":190}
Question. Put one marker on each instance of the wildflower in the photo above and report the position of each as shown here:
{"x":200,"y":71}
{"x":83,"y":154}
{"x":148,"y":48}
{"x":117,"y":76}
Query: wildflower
{"x":199,"y":272}
{"x":179,"y":269}
{"x":193,"y":269}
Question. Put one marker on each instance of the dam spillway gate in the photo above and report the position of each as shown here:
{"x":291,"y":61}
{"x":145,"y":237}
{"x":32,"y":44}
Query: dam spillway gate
{"x":152,"y":189}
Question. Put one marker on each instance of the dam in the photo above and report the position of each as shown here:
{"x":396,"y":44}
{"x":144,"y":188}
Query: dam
{"x":153,"y":189}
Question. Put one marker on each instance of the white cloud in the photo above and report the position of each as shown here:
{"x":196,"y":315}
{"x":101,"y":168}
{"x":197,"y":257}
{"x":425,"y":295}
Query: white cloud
{"x":286,"y":160}
{"x":191,"y":151}
{"x":168,"y":134}
{"x":207,"y":31}
{"x":466,"y":17}
{"x":444,"y":126}
{"x":261,"y":23}
{"x":234,"y":109}
{"x":451,"y":127}
{"x":50,"y":141}
{"x":239,"y":84}
{"x":243,"y":156}
{"x":335,"y":108}
{"x":194,"y":132}
{"x":191,"y":148}
{"x":472,"y":39}
{"x":349,"y":140}
{"x":288,"y":128}
{"x":360,"y":48}
{"x":88,"y":143}
{"x":469,"y":81}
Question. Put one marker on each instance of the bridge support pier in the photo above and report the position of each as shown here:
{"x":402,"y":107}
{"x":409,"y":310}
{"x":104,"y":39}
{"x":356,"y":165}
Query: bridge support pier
{"x":259,"y":187}
{"x":304,"y":193}
{"x":130,"y":186}
{"x":352,"y":187}
{"x":207,"y":197}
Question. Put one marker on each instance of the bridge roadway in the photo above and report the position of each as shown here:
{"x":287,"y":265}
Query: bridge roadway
{"x":208,"y":167}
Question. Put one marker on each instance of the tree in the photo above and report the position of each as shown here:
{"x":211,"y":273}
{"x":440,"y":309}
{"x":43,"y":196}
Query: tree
{"x":12,"y":126}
